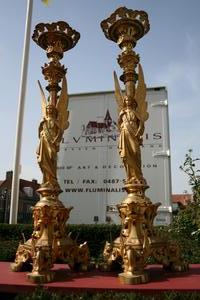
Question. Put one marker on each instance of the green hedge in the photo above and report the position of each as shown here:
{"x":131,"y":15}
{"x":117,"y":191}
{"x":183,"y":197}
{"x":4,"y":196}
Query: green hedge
{"x":95,"y":235}
{"x":14,"y":232}
{"x":10,"y":236}
{"x":182,"y":230}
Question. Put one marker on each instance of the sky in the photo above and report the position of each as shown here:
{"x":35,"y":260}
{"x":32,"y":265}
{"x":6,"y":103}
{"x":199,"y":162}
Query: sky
{"x":169,"y":55}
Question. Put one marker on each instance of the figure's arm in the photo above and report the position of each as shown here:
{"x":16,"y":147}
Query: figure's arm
{"x":41,"y":127}
{"x":59,"y":134}
{"x":140,"y":130}
{"x":120,"y":118}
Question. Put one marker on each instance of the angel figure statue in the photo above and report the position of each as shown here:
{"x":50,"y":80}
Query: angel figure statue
{"x":51,"y":129}
{"x":132,"y":115}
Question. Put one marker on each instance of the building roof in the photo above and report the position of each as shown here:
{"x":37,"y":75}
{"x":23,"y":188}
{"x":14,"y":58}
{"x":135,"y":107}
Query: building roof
{"x":92,"y":124}
{"x":183,"y":199}
{"x":155,"y":88}
{"x":26,"y":183}
{"x":23,"y":184}
{"x":107,"y":116}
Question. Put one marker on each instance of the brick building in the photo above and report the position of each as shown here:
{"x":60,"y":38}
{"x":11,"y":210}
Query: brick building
{"x":181,"y":200}
{"x":28,"y":196}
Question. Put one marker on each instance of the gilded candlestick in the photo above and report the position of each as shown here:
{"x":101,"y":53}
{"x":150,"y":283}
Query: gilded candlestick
{"x":137,"y":240}
{"x":49,"y":241}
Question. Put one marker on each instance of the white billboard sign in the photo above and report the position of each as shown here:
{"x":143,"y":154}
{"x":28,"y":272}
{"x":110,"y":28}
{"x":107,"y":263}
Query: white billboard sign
{"x":90,"y":171}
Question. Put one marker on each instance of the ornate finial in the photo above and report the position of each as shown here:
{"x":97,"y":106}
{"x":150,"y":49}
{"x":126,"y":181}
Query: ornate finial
{"x":126,"y":24}
{"x":59,"y":36}
{"x":55,"y":38}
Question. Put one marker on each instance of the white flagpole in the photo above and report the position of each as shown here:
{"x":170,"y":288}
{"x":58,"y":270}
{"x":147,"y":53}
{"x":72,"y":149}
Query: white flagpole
{"x":19,"y":129}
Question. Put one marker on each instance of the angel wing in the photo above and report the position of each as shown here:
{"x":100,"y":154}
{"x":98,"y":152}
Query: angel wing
{"x":62,"y":105}
{"x":118,"y":93}
{"x":140,"y":96}
{"x":43,"y":100}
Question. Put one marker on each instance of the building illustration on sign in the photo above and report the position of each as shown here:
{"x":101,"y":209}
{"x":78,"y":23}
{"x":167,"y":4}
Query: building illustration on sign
{"x":94,"y":127}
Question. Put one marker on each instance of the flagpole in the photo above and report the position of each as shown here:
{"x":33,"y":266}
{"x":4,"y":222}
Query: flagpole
{"x":19,"y":128}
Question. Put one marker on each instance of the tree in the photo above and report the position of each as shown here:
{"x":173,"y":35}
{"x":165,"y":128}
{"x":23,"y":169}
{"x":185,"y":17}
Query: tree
{"x":189,"y":219}
{"x":191,"y":169}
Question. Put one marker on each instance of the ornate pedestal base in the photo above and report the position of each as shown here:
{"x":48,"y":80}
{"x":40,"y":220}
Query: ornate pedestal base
{"x":126,"y":278}
{"x":49,"y":242}
{"x":138,"y":241}
{"x":35,"y":277}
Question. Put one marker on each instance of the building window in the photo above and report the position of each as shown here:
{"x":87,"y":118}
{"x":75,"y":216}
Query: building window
{"x":28,"y":191}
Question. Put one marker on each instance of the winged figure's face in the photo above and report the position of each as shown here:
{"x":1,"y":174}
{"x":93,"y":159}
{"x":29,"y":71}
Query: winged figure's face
{"x":51,"y":111}
{"x":128,"y":101}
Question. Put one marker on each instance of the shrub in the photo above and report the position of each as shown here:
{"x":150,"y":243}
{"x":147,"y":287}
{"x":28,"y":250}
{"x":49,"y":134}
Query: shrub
{"x":15,"y":232}
{"x":183,"y":230}
{"x":95,"y":235}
